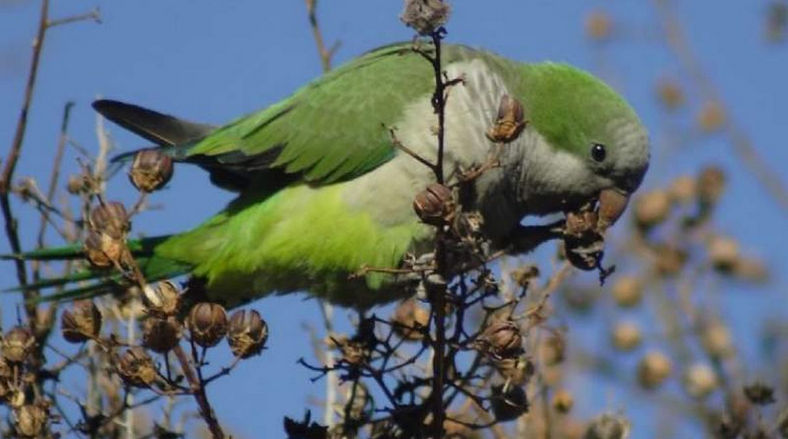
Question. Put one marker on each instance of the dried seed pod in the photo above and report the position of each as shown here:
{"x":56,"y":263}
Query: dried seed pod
{"x":81,"y":323}
{"x":683,"y":189}
{"x":670,"y":94}
{"x":516,"y":371}
{"x":354,"y":352}
{"x":508,"y":402}
{"x":136,"y":367}
{"x":30,"y":420}
{"x":563,"y":401}
{"x":626,"y":336}
{"x":94,"y":246}
{"x":510,"y":121}
{"x":700,"y":380}
{"x":723,"y":253}
{"x":670,"y":259}
{"x":77,"y":184}
{"x":711,"y":116}
{"x":434,"y":205}
{"x":524,"y":275}
{"x":711,"y":184}
{"x":627,"y":291}
{"x":17,"y":345}
{"x":608,"y":426}
{"x":759,"y":393}
{"x":553,"y":350}
{"x":599,"y":26}
{"x":110,"y":219}
{"x":207,"y":323}
{"x":716,"y":339}
{"x":247,"y":333}
{"x":425,"y":16}
{"x":150,"y":170}
{"x":652,"y":208}
{"x":161,"y":334}
{"x":410,"y":319}
{"x":502,"y":339}
{"x":653,"y":369}
{"x":162,"y":298}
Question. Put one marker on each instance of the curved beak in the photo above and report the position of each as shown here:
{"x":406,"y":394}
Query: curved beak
{"x":612,"y":204}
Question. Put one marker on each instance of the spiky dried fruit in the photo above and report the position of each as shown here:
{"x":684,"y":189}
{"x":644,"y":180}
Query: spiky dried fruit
{"x":563,"y":401}
{"x":652,"y":208}
{"x":700,"y":380}
{"x":501,"y":339}
{"x":207,"y":323}
{"x":627,"y":291}
{"x":30,"y":420}
{"x":110,"y":219}
{"x":162,"y":298}
{"x":510,"y":121}
{"x":17,"y":345}
{"x":410,"y":320}
{"x":759,"y":393}
{"x":161,"y":334}
{"x":508,"y":402}
{"x":150,"y":170}
{"x":136,"y":368}
{"x":654,"y":368}
{"x":626,"y":336}
{"x":247,"y":333}
{"x":435,"y":204}
{"x":425,"y":16}
{"x":82,"y":322}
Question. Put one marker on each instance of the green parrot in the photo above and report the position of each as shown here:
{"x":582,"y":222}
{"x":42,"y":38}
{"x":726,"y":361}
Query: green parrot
{"x":323,"y":191}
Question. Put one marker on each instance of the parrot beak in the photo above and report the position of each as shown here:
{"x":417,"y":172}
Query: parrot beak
{"x":612,"y":203}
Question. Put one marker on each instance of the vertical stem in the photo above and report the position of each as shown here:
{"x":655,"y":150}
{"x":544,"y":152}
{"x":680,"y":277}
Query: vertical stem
{"x":11,"y":226}
{"x":198,"y":390}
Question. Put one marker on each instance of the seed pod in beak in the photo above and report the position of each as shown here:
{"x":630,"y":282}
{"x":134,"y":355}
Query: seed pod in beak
{"x":612,"y":204}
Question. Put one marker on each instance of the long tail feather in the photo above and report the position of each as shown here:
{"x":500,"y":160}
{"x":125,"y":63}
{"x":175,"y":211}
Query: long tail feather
{"x":91,"y":282}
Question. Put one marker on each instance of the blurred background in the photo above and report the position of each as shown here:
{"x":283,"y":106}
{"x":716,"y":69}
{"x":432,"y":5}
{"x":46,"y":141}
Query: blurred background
{"x":707,"y":78}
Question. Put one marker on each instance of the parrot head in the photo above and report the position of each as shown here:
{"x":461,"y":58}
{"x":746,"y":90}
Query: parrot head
{"x":597,"y":146}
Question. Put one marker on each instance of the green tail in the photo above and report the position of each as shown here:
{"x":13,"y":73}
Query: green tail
{"x":91,"y":282}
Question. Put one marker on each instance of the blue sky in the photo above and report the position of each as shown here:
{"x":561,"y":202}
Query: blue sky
{"x":212,"y":61}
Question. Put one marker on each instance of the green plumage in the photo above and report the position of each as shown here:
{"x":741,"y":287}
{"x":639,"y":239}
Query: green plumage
{"x":293,"y":226}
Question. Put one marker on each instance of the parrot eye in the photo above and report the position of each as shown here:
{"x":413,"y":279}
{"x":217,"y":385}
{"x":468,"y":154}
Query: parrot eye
{"x":598,"y":152}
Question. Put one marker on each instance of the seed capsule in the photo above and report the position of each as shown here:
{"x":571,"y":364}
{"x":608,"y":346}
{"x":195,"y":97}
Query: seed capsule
{"x":161,"y":334}
{"x":30,"y":420}
{"x":608,"y":426}
{"x":508,"y":402}
{"x":150,"y":170}
{"x":18,"y":344}
{"x":81,"y":323}
{"x":626,"y":336}
{"x":653,"y":369}
{"x":759,"y":393}
{"x":136,"y":368}
{"x":110,"y":219}
{"x":627,"y":291}
{"x":700,"y":380}
{"x":207,"y":323}
{"x":502,"y":339}
{"x":652,"y":208}
{"x":95,"y":246}
{"x":425,"y":16}
{"x":510,"y":122}
{"x":410,"y":318}
{"x":711,"y":184}
{"x":247,"y":333}
{"x":435,"y":204}
{"x":162,"y":298}
{"x":563,"y":401}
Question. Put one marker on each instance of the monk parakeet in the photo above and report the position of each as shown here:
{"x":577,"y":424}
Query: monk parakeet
{"x":323,"y":191}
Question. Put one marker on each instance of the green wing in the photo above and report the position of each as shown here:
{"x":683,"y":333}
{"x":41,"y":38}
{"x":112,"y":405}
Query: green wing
{"x":333,"y":129}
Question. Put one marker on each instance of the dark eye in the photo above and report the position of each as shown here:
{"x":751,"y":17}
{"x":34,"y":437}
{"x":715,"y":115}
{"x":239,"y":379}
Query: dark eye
{"x":598,"y":152}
